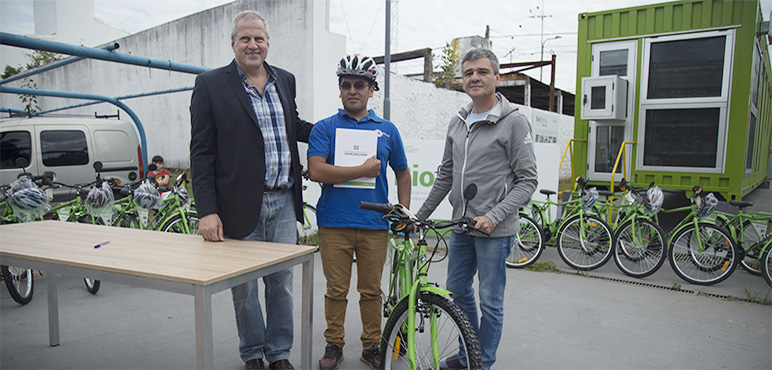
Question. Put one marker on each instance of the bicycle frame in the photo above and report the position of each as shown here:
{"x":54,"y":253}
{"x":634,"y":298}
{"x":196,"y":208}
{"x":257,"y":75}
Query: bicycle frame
{"x":412,"y":266}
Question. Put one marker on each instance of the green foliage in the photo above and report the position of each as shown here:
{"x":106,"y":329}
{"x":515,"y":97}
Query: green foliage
{"x":676,"y":286}
{"x":11,"y":71}
{"x":450,"y":57}
{"x":542,"y":266}
{"x":35,"y":59}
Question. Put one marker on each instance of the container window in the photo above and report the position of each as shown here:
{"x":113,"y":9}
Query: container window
{"x":13,"y":145}
{"x":63,"y":148}
{"x":682,"y":137}
{"x":690,"y":68}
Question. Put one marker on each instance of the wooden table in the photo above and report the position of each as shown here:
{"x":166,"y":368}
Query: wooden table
{"x":150,"y":259}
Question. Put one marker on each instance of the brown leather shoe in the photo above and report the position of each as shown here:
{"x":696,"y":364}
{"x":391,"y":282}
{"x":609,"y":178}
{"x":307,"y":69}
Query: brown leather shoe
{"x":255,"y":364}
{"x":281,"y":365}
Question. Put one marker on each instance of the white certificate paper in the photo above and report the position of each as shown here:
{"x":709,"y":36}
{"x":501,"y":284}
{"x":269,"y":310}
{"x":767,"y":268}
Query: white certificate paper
{"x":352,"y":148}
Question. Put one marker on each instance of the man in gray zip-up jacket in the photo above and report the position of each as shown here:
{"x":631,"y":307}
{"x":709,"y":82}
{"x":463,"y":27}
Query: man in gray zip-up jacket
{"x":489,"y":145}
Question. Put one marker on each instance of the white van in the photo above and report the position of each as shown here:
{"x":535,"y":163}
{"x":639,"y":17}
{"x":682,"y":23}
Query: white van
{"x":69,"y":146}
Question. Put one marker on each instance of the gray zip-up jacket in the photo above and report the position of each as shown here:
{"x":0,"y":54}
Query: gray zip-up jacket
{"x":496,"y":155}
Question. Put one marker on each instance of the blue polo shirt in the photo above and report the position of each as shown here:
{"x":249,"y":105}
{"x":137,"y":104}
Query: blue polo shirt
{"x":339,"y":207}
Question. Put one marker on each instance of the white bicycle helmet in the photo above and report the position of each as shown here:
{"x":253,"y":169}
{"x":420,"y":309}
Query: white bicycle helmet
{"x":653,"y":200}
{"x":704,"y":206}
{"x":99,"y":198}
{"x":590,"y":198}
{"x":28,"y":199}
{"x":146,"y":196}
{"x":358,"y":65}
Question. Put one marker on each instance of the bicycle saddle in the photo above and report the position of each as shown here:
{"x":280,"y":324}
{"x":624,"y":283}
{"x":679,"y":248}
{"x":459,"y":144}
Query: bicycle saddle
{"x":740,"y":204}
{"x":547,"y":192}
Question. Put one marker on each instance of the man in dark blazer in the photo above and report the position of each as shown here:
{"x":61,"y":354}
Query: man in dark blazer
{"x":246,"y":177}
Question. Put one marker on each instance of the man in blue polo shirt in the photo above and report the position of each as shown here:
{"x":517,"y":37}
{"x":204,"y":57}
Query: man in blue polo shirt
{"x":344,"y":229}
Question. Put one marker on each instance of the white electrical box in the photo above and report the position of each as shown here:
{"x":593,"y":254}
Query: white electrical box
{"x":604,"y":98}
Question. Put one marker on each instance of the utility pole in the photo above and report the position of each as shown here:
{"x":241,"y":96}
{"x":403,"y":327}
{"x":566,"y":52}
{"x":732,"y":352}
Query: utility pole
{"x":542,"y":16}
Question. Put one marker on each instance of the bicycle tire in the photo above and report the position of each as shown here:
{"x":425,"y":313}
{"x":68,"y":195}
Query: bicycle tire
{"x":308,"y":231}
{"x":751,"y":262}
{"x":19,"y":282}
{"x":766,"y":263}
{"x":452,"y":327}
{"x":645,"y":257}
{"x":176,"y":224}
{"x":528,"y":246}
{"x":92,"y":285}
{"x":713,"y":264}
{"x":588,"y":254}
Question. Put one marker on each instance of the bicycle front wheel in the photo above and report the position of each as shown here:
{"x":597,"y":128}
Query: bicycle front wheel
{"x":308,"y":231}
{"x":584,"y":243}
{"x":19,"y":282}
{"x":442,"y":330}
{"x":639,"y":248}
{"x":92,"y":285}
{"x":180,"y":225}
{"x":703,"y":255}
{"x":528,"y":246}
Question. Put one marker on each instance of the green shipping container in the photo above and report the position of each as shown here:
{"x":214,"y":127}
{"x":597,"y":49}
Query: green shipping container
{"x":685,"y":87}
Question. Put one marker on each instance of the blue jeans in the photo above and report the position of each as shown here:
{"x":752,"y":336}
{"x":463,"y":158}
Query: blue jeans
{"x":274,"y":340}
{"x":468,"y":255}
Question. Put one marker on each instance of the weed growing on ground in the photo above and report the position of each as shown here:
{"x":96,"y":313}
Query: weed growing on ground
{"x":755,"y":296}
{"x":676,"y":286}
{"x":542,"y":266}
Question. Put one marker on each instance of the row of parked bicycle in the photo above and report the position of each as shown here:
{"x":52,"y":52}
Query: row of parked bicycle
{"x":704,"y":248}
{"x":141,"y":205}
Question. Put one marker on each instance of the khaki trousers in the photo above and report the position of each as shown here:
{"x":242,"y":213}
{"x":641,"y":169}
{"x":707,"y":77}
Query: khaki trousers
{"x":337,"y":247}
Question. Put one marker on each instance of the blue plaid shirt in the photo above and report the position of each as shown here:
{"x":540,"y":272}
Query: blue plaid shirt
{"x":270,"y":117}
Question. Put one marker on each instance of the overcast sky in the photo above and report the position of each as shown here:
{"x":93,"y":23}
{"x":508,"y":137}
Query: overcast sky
{"x":515,"y":25}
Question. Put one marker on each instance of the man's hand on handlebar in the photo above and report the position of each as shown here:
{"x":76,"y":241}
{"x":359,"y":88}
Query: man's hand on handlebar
{"x":484,"y":224}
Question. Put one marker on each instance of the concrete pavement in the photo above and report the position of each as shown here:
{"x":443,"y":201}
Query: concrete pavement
{"x":600,"y":320}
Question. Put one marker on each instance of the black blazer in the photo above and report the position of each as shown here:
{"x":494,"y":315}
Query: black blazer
{"x":227,"y":154}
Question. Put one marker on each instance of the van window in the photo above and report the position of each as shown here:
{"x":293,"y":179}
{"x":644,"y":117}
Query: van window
{"x":63,"y":148}
{"x":113,"y":146}
{"x":14,"y":144}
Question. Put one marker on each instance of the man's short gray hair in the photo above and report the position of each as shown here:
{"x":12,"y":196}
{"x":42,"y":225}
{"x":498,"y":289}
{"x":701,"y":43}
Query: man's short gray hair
{"x":475,"y":54}
{"x":247,"y":14}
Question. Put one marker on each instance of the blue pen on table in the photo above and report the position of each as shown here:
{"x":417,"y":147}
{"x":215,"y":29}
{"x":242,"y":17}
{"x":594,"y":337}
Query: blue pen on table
{"x":101,"y":244}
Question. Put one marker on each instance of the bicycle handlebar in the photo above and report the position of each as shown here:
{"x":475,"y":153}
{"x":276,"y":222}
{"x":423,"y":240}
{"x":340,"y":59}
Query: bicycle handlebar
{"x":402,"y":214}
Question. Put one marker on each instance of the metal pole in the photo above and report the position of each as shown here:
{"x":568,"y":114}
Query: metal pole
{"x":62,"y":48}
{"x":64,"y":94}
{"x":387,"y":62}
{"x":53,"y":65}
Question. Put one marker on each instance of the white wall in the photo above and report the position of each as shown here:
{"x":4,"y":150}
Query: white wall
{"x":299,"y":42}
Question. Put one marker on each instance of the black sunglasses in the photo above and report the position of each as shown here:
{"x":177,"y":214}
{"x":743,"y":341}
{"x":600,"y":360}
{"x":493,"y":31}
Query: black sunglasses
{"x":359,"y":85}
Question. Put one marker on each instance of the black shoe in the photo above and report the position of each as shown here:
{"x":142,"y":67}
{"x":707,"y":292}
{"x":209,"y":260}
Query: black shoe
{"x":255,"y":364}
{"x":372,"y":357}
{"x":333,"y":355}
{"x":281,"y":365}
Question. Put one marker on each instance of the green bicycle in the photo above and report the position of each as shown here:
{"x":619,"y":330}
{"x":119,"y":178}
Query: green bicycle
{"x":584,"y":239}
{"x":423,"y":326}
{"x":700,"y":252}
{"x":750,"y":231}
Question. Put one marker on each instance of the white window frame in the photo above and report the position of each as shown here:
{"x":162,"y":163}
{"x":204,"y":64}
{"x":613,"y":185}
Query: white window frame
{"x":721,"y":102}
{"x":754,"y":109}
{"x":632,"y":71}
{"x":723,"y":116}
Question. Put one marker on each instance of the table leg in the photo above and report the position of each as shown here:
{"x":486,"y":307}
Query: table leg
{"x":203,"y":316}
{"x":53,"y":309}
{"x":307,"y":320}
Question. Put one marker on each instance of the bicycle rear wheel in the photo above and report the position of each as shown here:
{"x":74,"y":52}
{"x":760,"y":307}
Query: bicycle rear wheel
{"x":308,"y":231}
{"x":766,"y":263}
{"x":639,"y":247}
{"x":586,"y":252}
{"x":752,"y":234}
{"x":19,"y":282}
{"x":528,"y":245}
{"x":435,"y":314}
{"x":703,"y":255}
